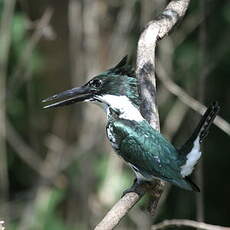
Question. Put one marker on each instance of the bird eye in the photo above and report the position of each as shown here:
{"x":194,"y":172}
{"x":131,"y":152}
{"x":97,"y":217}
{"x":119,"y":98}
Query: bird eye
{"x":95,"y":83}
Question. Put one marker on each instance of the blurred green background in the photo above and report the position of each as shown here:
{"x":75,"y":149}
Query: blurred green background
{"x":57,"y":170}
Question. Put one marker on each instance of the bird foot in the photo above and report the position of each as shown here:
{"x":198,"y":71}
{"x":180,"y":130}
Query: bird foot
{"x":136,"y":187}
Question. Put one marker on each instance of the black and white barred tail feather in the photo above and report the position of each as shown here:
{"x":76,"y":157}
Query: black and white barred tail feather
{"x":202,"y":128}
{"x":206,"y":120}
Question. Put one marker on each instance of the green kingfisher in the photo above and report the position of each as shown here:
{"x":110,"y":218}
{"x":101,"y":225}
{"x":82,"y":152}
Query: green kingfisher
{"x":146,"y":150}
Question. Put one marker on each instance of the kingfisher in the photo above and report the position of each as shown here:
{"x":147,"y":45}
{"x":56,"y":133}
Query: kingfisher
{"x":143,"y":148}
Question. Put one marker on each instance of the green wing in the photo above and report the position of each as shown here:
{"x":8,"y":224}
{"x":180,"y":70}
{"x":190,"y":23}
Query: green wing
{"x":147,"y":150}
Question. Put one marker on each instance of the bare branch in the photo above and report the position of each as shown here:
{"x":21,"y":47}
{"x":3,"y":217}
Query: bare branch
{"x":145,"y":72}
{"x":188,"y":100}
{"x":188,"y":223}
{"x":174,"y":119}
{"x":25,"y":152}
{"x":119,"y":210}
{"x":174,"y":11}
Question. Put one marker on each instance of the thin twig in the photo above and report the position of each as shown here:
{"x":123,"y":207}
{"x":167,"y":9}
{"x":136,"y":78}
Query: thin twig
{"x":41,"y":29}
{"x":25,"y":152}
{"x":145,"y":71}
{"x":187,"y":223}
{"x":174,"y":119}
{"x":188,"y":100}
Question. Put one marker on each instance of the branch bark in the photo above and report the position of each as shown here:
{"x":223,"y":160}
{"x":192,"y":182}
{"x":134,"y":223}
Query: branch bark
{"x":187,"y":223}
{"x":145,"y":72}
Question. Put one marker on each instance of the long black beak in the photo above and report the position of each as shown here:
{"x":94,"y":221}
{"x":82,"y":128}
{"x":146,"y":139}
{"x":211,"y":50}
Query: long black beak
{"x":69,"y":97}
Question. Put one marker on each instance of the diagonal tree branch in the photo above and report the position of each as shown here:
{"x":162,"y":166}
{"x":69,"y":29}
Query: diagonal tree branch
{"x":188,"y":100}
{"x":42,"y":29}
{"x":145,"y":72}
{"x":187,"y":223}
{"x":25,"y":152}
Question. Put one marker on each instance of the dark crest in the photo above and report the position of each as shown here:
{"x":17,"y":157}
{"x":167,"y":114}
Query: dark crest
{"x":123,"y":68}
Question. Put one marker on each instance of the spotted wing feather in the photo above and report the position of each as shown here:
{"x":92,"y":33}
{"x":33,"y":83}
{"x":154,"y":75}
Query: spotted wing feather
{"x":201,"y":131}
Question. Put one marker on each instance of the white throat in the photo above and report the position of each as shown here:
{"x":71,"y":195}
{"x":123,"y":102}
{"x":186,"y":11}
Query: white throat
{"x":122,"y":104}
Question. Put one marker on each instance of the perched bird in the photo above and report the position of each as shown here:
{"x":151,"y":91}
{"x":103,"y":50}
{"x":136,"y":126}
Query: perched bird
{"x":145,"y":150}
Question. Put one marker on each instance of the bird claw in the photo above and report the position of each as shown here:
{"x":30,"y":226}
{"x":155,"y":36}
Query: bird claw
{"x":136,"y":187}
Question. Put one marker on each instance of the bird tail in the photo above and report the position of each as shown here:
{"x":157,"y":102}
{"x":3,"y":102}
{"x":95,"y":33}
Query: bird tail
{"x":202,"y":128}
{"x":186,"y":183}
{"x":190,"y":152}
{"x":192,"y":184}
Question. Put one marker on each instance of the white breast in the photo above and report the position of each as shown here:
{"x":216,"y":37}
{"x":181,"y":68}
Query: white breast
{"x":122,"y":104}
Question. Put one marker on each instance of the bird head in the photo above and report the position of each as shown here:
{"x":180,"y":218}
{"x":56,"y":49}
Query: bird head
{"x":111,"y":88}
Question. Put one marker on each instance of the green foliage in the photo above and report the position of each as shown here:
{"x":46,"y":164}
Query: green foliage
{"x":226,"y":12}
{"x":45,"y":216}
{"x":19,"y":33}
